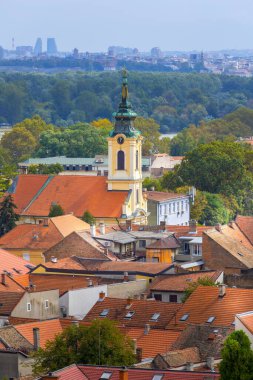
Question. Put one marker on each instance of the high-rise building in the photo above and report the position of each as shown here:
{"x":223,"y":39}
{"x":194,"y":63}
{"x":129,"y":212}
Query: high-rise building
{"x":51,"y":46}
{"x":156,"y":52}
{"x":38,"y":47}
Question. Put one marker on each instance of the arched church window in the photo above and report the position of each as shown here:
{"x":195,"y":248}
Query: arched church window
{"x":121,"y":160}
{"x":137,"y":160}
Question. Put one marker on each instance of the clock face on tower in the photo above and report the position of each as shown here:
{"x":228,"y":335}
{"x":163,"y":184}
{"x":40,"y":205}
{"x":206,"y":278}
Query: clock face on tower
{"x":120,"y":140}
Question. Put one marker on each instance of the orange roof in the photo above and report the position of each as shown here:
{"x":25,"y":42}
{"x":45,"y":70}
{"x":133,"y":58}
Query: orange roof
{"x":22,"y":279}
{"x":24,"y":188}
{"x":205,"y":302}
{"x":69,"y":223}
{"x":247,"y":320}
{"x":245,"y":223}
{"x":141,"y":310}
{"x":154,"y":342}
{"x":180,"y":231}
{"x":31,"y":236}
{"x":13,"y":264}
{"x":47,"y":329}
{"x":8,"y":300}
{"x":74,"y":193}
{"x":67,"y":263}
{"x":160,"y":196}
{"x":10,"y":285}
{"x":59,"y":281}
{"x":179,"y":282}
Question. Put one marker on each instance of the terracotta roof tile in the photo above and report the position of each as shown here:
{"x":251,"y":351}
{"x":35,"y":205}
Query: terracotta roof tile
{"x":13,"y":264}
{"x":170,"y":242}
{"x":70,"y":373}
{"x":95,"y":373}
{"x":8,"y":284}
{"x":153,"y":343}
{"x":205,"y":302}
{"x":245,"y":223}
{"x":180,"y":231}
{"x":59,"y":281}
{"x":140,"y":312}
{"x":69,"y":223}
{"x":67,"y":263}
{"x":181,"y":357}
{"x":22,"y":279}
{"x":74,"y":193}
{"x":47,"y":330}
{"x":247,"y":320}
{"x":179,"y":282}
{"x":8,"y":300}
{"x":160,"y":196}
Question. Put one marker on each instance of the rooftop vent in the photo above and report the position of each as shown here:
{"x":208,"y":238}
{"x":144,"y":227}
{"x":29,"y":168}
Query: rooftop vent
{"x":155,"y":317}
{"x":129,"y":315}
{"x":184,"y":317}
{"x":104,"y":313}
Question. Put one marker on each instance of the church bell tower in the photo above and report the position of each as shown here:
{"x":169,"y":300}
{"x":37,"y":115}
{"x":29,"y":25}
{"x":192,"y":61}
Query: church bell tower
{"x":125,"y":157}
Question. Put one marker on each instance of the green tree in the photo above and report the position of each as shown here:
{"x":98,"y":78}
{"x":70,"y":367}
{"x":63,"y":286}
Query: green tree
{"x":8,"y":216}
{"x":88,"y":218}
{"x":204,"y":281}
{"x":101,"y":343}
{"x":237,"y":358}
{"x":150,"y":131}
{"x":45,"y":169}
{"x":55,"y":210}
{"x":19,"y":144}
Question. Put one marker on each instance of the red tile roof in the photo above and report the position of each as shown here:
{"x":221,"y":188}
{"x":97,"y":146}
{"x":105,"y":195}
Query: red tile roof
{"x":142,"y":310}
{"x":70,"y":373}
{"x":10,"y":285}
{"x":13,"y":264}
{"x":245,"y":223}
{"x":95,"y":373}
{"x":180,"y":231}
{"x":247,"y":320}
{"x":74,"y":193}
{"x":179,"y":282}
{"x":8,"y":300}
{"x":47,"y":330}
{"x":205,"y":302}
{"x":161,"y":196}
{"x":167,"y":243}
{"x":153,"y":343}
{"x":59,"y":281}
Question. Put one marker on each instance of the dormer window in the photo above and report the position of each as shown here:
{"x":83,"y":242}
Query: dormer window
{"x":184,"y":317}
{"x":155,"y":317}
{"x":129,"y":315}
{"x":104,"y":313}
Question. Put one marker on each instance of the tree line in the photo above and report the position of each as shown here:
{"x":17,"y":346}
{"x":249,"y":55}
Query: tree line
{"x":173,"y":100}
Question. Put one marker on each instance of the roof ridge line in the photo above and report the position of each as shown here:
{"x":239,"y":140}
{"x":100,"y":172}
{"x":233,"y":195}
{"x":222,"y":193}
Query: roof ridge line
{"x":38,"y":193}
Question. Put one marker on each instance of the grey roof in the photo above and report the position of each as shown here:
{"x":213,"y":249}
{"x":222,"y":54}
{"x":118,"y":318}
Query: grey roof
{"x":63,"y":160}
{"x":124,"y":237}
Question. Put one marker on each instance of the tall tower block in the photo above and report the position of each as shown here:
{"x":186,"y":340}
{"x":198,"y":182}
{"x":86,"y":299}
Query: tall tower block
{"x":125,"y":158}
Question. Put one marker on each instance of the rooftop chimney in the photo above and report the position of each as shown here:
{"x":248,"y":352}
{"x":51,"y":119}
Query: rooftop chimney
{"x":93,"y":230}
{"x":218,"y":227}
{"x":125,"y":276}
{"x":147,"y":328}
{"x":139,"y":354}
{"x":189,"y":366}
{"x":102,"y":228}
{"x":45,"y":224}
{"x":36,"y":338}
{"x":129,"y":303}
{"x":3,"y":279}
{"x":193,"y":226}
{"x":210,"y":363}
{"x":135,"y":345}
{"x":123,"y":373}
{"x":101,"y":296}
{"x":222,"y":290}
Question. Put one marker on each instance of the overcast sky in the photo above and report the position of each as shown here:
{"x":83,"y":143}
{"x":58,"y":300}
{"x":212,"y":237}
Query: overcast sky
{"x":93,"y":25}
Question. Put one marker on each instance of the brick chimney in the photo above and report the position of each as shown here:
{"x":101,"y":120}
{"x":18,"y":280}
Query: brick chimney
{"x":129,"y":225}
{"x":123,"y":373}
{"x":3,"y":279}
{"x":125,"y":276}
{"x":36,"y":338}
{"x":101,"y":296}
{"x":222,"y":290}
{"x":193,"y":226}
{"x":210,"y":363}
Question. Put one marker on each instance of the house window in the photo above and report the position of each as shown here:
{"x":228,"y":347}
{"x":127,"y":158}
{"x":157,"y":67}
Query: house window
{"x":173,"y":298}
{"x":169,"y":208}
{"x":137,"y":160}
{"x":26,"y":256}
{"x":28,"y":306}
{"x":177,"y":206}
{"x":46,"y":304}
{"x":197,"y":250}
{"x":174,"y":207}
{"x":184,"y":317}
{"x":182,"y":206}
{"x":104,"y":313}
{"x":155,"y":317}
{"x":158,"y":297}
{"x":121,"y":160}
{"x":142,"y":243}
{"x":129,"y":315}
{"x":155,"y":259}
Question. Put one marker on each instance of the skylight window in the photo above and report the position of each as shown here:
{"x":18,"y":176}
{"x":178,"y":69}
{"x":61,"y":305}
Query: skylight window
{"x":155,"y":317}
{"x":129,"y":315}
{"x":106,"y":375}
{"x":184,"y":317}
{"x":104,"y":313}
{"x":240,"y":254}
{"x":210,"y":319}
{"x":157,"y":377}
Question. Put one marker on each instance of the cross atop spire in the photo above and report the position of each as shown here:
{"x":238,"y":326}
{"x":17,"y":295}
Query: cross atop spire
{"x":124,"y":117}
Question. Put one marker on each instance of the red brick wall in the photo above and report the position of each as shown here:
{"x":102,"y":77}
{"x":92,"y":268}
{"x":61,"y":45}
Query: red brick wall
{"x":216,"y":257}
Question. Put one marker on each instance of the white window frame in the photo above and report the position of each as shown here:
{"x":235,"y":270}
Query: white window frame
{"x":29,"y":306}
{"x":46,"y":304}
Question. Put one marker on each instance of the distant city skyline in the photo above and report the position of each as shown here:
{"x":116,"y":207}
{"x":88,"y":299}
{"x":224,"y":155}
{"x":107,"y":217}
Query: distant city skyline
{"x":93,"y":25}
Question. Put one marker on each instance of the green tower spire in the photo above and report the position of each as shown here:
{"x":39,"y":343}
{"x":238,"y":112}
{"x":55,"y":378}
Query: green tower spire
{"x":124,"y":117}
